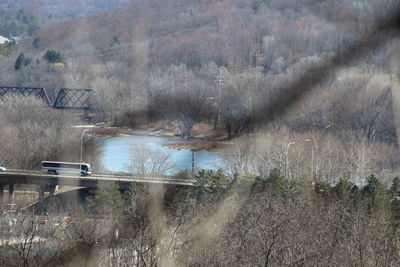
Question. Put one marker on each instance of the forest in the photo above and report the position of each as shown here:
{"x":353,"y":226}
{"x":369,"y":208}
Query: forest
{"x":250,"y":221}
{"x":182,"y":63}
{"x":305,"y":91}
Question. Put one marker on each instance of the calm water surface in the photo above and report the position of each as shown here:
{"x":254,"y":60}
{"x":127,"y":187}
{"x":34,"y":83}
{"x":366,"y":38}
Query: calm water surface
{"x":117,"y":153}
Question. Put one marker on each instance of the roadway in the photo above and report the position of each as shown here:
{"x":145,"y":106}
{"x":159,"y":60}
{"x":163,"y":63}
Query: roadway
{"x":14,"y":176}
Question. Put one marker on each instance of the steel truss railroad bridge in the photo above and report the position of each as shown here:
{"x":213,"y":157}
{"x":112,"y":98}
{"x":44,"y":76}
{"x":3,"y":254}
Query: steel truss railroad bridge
{"x":66,"y":98}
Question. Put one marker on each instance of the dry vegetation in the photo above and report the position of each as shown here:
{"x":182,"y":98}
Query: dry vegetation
{"x":253,"y":221}
{"x":218,"y":63}
{"x":31,"y":132}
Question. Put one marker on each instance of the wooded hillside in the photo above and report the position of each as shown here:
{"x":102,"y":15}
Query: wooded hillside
{"x":218,"y":62}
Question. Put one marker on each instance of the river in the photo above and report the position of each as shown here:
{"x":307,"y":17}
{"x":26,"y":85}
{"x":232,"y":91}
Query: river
{"x":117,"y":152}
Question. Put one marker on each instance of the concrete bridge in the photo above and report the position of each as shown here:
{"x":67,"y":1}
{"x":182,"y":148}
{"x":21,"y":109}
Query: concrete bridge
{"x":48,"y":183}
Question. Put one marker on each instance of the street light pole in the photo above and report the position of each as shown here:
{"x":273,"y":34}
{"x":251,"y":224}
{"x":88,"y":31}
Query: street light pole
{"x":312,"y":158}
{"x":80,"y":161}
{"x":286,"y":159}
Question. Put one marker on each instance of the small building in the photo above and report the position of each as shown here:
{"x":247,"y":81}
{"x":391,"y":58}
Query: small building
{"x":3,"y":40}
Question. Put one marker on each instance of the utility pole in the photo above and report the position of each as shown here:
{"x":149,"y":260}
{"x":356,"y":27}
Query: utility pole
{"x":193,"y":163}
{"x":132,"y":161}
{"x":287,"y":159}
{"x":312,"y":158}
{"x":219,"y":82}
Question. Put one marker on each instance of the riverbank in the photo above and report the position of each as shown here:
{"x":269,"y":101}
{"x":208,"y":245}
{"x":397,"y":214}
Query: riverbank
{"x":199,"y":130}
{"x":211,"y":146}
{"x":205,"y":137}
{"x":105,"y":132}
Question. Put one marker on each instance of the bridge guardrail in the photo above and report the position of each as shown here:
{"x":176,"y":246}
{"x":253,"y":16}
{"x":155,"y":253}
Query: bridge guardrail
{"x":115,"y":176}
{"x":147,"y":178}
{"x":138,"y":176}
{"x":22,"y":171}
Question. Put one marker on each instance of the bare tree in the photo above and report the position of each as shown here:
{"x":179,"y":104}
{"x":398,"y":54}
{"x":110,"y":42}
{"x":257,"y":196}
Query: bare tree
{"x":150,"y":162}
{"x":32,"y":132}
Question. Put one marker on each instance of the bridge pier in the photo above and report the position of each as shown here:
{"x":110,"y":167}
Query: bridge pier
{"x":1,"y":195}
{"x":52,"y":190}
{"x":41,"y":192}
{"x":11,"y":197}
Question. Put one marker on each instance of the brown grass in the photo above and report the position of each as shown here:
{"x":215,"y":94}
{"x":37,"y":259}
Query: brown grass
{"x":197,"y":146}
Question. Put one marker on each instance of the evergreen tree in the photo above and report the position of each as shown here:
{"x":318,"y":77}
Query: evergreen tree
{"x":107,"y":198}
{"x":116,"y":41}
{"x":395,"y":211}
{"x":323,"y":189}
{"x":342,"y":190}
{"x":373,"y":193}
{"x":36,"y":43}
{"x":394,"y":188}
{"x":53,"y":56}
{"x":20,"y":61}
{"x":212,"y":182}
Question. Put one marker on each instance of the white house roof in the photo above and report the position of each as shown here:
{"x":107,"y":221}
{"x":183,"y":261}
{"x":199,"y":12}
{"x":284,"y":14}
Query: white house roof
{"x":3,"y":40}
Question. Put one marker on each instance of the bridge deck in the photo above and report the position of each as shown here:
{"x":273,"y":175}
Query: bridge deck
{"x":36,"y":177}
